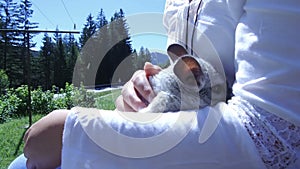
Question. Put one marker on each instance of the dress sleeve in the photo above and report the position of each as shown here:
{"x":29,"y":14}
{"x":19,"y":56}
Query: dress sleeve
{"x":171,"y":8}
{"x":174,"y":21}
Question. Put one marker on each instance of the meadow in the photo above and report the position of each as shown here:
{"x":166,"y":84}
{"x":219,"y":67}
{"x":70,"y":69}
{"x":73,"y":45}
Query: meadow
{"x":12,"y":130}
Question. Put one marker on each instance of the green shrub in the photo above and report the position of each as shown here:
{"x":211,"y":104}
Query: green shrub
{"x":42,"y":101}
{"x":9,"y":104}
{"x":81,"y":97}
{"x":63,"y":99}
{"x":14,"y":102}
{"x":4,"y":82}
{"x":22,"y":94}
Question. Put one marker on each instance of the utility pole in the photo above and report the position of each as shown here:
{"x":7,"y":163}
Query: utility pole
{"x":28,"y":78}
{"x":28,"y":59}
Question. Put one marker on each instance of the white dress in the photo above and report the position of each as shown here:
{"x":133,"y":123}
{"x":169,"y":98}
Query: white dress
{"x":95,"y":139}
{"x":267,"y":53}
{"x":258,"y":128}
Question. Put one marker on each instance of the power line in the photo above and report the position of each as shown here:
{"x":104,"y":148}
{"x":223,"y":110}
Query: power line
{"x":67,"y":11}
{"x":38,"y":31}
{"x":47,"y":18}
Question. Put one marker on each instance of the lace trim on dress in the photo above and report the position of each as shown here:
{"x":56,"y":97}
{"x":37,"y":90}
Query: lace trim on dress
{"x":275,"y":138}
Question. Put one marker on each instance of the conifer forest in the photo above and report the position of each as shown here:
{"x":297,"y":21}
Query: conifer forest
{"x":63,"y":56}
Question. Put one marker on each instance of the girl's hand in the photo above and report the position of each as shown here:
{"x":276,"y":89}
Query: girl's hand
{"x":137,"y":92}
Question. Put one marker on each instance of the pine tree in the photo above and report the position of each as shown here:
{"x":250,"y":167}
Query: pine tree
{"x":88,"y":30}
{"x":85,"y":64}
{"x":46,"y":62}
{"x":1,"y":38}
{"x":102,"y":36}
{"x":143,"y":56}
{"x":9,"y":11}
{"x":59,"y":62}
{"x":72,"y":53}
{"x":26,"y":13}
{"x":11,"y":61}
{"x":101,"y":20}
{"x":120,"y":49}
{"x":105,"y":50}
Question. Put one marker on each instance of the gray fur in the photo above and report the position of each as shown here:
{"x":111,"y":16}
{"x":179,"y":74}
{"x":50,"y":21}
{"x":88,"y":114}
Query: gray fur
{"x":174,"y":95}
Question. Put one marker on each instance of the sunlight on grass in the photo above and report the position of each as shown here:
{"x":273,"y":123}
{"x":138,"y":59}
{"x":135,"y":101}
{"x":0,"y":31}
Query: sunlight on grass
{"x":11,"y":134}
{"x":12,"y":131}
{"x":107,"y":101}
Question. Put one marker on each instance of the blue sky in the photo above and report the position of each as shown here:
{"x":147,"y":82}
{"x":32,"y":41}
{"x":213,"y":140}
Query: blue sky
{"x":52,"y":14}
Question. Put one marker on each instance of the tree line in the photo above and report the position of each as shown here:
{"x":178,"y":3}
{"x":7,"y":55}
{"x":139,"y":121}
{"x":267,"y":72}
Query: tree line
{"x":102,"y":54}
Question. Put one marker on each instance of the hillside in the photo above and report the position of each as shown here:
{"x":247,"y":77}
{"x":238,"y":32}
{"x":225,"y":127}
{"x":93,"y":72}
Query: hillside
{"x":160,"y":59}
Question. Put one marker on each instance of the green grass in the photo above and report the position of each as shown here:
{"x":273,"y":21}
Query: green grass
{"x":12,"y":131}
{"x":11,"y":134}
{"x":106,"y":101}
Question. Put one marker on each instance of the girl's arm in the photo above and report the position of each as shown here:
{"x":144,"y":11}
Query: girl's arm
{"x":43,"y":141}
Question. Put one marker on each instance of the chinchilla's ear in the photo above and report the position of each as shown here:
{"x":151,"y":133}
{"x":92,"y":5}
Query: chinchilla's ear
{"x":189,"y":71}
{"x":175,"y":51}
